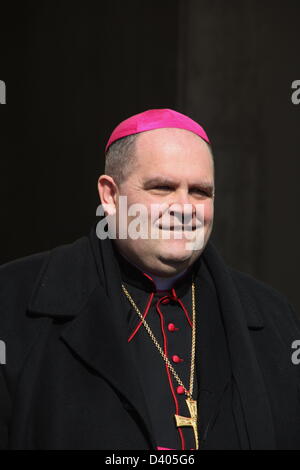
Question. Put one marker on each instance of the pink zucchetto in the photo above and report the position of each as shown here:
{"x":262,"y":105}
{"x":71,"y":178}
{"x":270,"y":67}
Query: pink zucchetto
{"x":155,"y":119}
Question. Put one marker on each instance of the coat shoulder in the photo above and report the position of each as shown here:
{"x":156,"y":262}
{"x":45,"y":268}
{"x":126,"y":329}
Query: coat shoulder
{"x":17,"y":331}
{"x":19,"y":279}
{"x":256,"y":287}
{"x":274,"y":307}
{"x":25,"y":268}
{"x":21,"y":274}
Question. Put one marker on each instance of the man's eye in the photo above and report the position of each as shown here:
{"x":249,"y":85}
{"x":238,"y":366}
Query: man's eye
{"x":162,"y":188}
{"x":200,"y":191}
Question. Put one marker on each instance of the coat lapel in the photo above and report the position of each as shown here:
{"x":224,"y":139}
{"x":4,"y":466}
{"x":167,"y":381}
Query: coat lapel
{"x":212,"y":361}
{"x":99,"y":337}
{"x":239,"y":314}
{"x":69,"y":286}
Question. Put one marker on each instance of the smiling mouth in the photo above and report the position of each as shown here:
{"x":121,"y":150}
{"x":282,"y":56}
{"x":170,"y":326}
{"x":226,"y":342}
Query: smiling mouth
{"x":179,"y":228}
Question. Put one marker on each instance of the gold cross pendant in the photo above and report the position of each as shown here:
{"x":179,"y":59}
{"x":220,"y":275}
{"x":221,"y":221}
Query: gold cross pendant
{"x":192,"y":421}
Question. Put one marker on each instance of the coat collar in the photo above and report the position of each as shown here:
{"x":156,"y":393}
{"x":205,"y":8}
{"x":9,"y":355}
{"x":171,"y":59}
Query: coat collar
{"x":76,"y":281}
{"x":74,"y":269}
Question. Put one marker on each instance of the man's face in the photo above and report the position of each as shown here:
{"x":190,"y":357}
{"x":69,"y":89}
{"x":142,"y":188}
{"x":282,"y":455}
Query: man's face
{"x":172,"y":166}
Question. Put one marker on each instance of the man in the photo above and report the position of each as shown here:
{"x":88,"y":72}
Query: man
{"x":123,"y":342}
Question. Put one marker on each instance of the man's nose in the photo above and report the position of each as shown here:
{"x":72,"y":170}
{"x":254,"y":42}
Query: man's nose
{"x":181,"y":206}
{"x":181,"y":197}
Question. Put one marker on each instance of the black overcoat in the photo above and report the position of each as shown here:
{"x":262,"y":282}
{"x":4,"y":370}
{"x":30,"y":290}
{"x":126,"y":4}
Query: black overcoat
{"x":69,"y":381}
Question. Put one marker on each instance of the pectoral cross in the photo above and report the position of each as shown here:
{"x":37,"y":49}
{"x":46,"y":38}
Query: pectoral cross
{"x":192,"y":421}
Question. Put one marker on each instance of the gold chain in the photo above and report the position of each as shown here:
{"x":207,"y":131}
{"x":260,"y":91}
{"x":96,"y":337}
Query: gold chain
{"x":189,"y":392}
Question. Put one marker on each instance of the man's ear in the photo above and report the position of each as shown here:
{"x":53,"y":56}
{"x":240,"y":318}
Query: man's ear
{"x":108,"y":192}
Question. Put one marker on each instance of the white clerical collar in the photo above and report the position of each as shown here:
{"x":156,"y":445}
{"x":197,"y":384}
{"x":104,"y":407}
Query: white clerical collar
{"x":166,"y":283}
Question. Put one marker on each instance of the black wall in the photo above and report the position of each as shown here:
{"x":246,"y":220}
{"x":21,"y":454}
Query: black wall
{"x":73,"y":70}
{"x":238,"y":60}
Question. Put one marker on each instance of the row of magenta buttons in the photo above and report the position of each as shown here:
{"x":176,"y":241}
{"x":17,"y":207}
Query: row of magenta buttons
{"x":175,"y":358}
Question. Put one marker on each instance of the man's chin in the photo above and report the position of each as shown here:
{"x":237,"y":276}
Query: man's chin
{"x":175,"y":258}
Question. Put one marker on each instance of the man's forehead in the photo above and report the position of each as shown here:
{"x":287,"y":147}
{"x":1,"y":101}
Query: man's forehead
{"x":171,"y":160}
{"x":168,"y":136}
{"x":164,"y":147}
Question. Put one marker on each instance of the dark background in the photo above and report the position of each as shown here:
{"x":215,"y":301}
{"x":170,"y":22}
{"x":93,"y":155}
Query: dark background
{"x":74,"y":70}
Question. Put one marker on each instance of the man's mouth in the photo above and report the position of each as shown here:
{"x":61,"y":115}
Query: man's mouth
{"x":179,"y":228}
